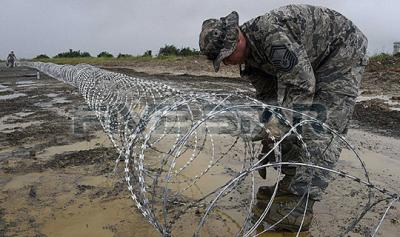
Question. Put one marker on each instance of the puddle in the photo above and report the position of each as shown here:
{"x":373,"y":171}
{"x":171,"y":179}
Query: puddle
{"x":97,"y":181}
{"x":50,"y":106}
{"x":36,"y":85}
{"x":387,"y":99}
{"x":9,"y":128}
{"x":55,"y":100}
{"x":28,"y":82}
{"x":22,"y":181}
{"x":15,"y":153}
{"x":98,"y":220}
{"x":24,"y":114}
{"x":12,"y":96}
{"x":52,"y":95}
{"x":43,"y":104}
{"x":7,"y":124}
{"x":61,"y":100}
{"x":7,"y":117}
{"x":6,"y":89}
{"x":100,"y":140}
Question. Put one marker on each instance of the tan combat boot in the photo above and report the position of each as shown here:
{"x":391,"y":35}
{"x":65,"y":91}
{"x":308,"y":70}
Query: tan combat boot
{"x":283,"y":204}
{"x":284,"y":234}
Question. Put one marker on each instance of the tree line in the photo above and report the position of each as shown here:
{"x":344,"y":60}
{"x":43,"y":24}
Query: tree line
{"x":167,"y":50}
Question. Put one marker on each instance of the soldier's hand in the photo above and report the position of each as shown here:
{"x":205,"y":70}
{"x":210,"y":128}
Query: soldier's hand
{"x":268,"y":145}
{"x":275,"y":128}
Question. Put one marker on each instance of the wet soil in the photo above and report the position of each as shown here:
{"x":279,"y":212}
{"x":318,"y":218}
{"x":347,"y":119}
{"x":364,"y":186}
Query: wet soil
{"x":56,"y":164}
{"x":376,"y":116}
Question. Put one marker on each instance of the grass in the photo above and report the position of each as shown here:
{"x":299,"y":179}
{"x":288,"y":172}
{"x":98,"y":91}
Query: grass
{"x":381,"y":57}
{"x":93,"y":60}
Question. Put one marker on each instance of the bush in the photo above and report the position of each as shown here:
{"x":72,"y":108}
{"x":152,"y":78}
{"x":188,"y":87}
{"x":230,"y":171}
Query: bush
{"x":124,"y":55}
{"x":41,"y":56}
{"x":73,"y":54}
{"x":380,"y":57}
{"x":147,"y":53}
{"x":85,"y":55}
{"x":105,"y":55}
{"x":188,"y":52}
{"x":168,"y":50}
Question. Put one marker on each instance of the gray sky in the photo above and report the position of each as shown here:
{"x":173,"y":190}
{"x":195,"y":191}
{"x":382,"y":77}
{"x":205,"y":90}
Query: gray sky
{"x":32,"y":27}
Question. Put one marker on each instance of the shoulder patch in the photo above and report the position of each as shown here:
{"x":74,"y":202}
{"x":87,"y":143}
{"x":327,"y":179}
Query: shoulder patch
{"x":282,"y":58}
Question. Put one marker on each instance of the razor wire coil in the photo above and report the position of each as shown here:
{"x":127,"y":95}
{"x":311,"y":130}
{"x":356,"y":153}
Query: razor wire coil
{"x":172,"y":143}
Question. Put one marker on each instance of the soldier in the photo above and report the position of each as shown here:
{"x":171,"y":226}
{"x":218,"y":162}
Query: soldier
{"x":11,"y":59}
{"x":298,"y":57}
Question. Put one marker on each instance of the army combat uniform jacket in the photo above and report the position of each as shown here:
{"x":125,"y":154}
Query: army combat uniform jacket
{"x":310,"y":59}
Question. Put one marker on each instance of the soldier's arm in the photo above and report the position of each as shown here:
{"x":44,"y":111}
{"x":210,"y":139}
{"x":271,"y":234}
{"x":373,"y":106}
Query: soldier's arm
{"x":296,"y":80}
{"x":264,"y":83}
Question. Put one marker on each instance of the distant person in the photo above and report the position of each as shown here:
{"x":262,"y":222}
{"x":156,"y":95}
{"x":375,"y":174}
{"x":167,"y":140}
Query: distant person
{"x":304,"y":58}
{"x":11,"y":59}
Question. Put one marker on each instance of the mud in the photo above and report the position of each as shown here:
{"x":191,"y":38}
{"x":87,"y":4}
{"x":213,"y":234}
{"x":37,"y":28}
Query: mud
{"x":56,"y":164}
{"x":377,"y":116}
{"x":56,"y":174}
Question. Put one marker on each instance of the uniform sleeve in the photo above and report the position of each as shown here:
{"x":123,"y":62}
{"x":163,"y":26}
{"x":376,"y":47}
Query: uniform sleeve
{"x":296,"y":80}
{"x":264,"y":83}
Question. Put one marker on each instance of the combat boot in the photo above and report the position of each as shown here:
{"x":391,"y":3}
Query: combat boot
{"x":283,"y":204}
{"x":265,"y":192}
{"x":284,"y":234}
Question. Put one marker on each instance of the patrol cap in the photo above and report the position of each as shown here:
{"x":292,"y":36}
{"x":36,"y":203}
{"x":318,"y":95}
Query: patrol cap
{"x":218,"y":38}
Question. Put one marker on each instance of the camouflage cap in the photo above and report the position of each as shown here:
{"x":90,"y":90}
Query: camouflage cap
{"x":218,"y":38}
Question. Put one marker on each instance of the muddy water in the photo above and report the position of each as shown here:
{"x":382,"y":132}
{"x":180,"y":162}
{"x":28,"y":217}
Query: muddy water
{"x":100,"y":139}
{"x":98,"y":219}
{"x":345,"y":199}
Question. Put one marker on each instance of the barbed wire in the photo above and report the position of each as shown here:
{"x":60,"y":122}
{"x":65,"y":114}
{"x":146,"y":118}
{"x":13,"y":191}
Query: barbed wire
{"x":189,"y":158}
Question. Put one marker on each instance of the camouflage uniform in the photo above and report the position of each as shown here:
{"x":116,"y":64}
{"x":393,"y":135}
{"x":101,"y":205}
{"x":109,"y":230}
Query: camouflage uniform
{"x":304,"y":58}
{"x":309,"y":59}
{"x":314,"y":59}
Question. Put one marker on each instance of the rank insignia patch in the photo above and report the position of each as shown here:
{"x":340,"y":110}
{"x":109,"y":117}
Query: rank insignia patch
{"x":282,"y":58}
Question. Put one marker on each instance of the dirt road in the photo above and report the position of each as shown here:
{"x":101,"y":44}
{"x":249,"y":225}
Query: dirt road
{"x":56,"y":163}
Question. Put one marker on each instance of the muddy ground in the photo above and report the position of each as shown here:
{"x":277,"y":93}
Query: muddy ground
{"x":56,"y":163}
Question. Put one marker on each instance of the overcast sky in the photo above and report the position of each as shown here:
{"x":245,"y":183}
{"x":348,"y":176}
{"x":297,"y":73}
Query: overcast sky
{"x":32,"y":27}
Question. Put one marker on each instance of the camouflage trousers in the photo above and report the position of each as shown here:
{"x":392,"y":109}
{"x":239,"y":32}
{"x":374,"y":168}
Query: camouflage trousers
{"x":337,"y":82}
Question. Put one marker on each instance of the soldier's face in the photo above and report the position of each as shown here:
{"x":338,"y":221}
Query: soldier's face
{"x":239,"y":55}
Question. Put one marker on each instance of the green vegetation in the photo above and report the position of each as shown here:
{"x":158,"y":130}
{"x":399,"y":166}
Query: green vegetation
{"x":105,"y":55}
{"x":188,"y":52}
{"x":102,"y":60}
{"x":380,"y":57}
{"x":384,"y":61}
{"x":172,"y":50}
{"x":76,"y":60}
{"x":120,"y":55}
{"x":147,"y":53}
{"x":73,"y":54}
{"x":42,"y":56}
{"x":167,"y":53}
